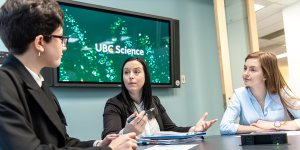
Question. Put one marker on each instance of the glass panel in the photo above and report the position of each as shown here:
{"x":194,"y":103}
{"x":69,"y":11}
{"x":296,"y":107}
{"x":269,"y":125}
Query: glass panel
{"x":238,"y":38}
{"x":271,"y":35}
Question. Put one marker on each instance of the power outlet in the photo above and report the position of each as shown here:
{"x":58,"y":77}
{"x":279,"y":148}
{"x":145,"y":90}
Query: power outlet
{"x":183,"y":79}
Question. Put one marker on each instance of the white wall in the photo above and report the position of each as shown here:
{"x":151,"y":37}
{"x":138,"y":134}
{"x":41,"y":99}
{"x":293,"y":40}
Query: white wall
{"x":291,"y":23}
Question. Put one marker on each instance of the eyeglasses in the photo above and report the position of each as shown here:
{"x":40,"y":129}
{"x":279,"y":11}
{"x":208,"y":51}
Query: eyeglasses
{"x":64,"y":39}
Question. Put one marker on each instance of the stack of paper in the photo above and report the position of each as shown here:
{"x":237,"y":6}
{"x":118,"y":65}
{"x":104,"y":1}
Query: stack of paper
{"x":163,"y":133}
{"x":169,"y":137}
{"x":173,"y":135}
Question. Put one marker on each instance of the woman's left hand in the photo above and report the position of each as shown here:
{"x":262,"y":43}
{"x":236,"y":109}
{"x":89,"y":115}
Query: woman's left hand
{"x":203,"y":125}
{"x":264,"y":124}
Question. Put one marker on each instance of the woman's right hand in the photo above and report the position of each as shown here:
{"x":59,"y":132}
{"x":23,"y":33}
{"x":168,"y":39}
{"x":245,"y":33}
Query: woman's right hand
{"x":137,"y":125}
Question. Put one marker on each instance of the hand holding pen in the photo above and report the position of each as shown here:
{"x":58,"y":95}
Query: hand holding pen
{"x":146,"y":112}
{"x":137,"y":124}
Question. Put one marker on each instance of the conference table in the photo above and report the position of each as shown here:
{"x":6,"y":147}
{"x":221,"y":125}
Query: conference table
{"x":233,"y":142}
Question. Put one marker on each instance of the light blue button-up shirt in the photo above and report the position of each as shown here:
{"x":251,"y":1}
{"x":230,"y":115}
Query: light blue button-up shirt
{"x":244,"y":105}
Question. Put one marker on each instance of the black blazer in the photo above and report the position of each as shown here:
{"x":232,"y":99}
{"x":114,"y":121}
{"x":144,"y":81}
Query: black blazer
{"x":31,"y":119}
{"x":115,"y":116}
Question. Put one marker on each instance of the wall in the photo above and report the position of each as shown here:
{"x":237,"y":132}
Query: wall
{"x":286,"y":75}
{"x":238,"y":41}
{"x":2,"y":46}
{"x":83,"y":107}
{"x":291,"y":23}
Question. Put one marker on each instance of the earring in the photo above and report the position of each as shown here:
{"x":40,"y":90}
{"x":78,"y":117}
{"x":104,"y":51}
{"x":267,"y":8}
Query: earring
{"x":39,"y":53}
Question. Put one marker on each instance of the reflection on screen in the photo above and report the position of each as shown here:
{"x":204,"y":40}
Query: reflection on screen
{"x":100,"y":42}
{"x":0,"y":65}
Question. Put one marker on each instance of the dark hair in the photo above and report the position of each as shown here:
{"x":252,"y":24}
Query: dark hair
{"x":22,"y":20}
{"x":147,"y":92}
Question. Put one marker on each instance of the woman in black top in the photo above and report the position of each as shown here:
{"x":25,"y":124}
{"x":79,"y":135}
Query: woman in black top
{"x":136,"y":95}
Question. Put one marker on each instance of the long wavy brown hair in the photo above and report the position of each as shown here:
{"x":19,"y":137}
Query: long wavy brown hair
{"x":275,"y":82}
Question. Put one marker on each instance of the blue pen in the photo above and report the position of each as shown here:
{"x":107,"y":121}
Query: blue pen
{"x":143,"y":143}
{"x":151,"y":109}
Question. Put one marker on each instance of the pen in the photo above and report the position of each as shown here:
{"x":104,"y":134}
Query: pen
{"x":143,"y":143}
{"x":111,"y":138}
{"x":151,"y":109}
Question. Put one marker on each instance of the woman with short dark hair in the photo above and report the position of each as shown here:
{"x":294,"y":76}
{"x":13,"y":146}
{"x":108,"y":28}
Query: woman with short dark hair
{"x":30,"y":115}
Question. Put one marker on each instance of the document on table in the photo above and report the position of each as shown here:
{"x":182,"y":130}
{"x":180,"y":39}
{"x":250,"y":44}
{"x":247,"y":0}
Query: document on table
{"x":164,"y":133}
{"x":172,"y":147}
{"x":174,"y":135}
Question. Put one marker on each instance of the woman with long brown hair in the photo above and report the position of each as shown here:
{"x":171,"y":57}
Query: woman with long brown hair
{"x":266,"y":103}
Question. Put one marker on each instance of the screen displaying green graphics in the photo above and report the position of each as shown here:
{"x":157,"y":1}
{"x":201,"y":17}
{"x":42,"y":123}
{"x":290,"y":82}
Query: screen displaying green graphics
{"x":100,"y":42}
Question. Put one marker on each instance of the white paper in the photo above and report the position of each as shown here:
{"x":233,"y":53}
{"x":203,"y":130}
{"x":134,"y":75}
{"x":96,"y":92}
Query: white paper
{"x":170,"y":133}
{"x":172,"y":147}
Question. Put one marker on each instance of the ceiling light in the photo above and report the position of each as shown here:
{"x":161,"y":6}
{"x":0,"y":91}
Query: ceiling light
{"x":258,"y":7}
{"x":282,"y":55}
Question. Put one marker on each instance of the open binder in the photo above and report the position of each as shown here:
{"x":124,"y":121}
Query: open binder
{"x":169,"y":137}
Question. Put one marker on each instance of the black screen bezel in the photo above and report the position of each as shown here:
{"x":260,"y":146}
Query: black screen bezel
{"x":123,"y":12}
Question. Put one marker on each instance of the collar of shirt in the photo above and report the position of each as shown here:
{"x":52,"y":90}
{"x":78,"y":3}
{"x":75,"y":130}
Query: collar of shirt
{"x":151,"y":127}
{"x":38,"y":78}
{"x":139,"y":107}
{"x":267,"y":98}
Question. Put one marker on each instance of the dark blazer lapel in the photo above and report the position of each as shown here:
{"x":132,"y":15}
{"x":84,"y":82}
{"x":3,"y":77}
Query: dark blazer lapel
{"x":43,"y":101}
{"x":158,"y":117}
{"x":51,"y":96}
{"x":159,"y":121}
{"x":38,"y":94}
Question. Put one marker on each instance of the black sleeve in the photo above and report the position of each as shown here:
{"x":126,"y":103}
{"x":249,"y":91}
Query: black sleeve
{"x":114,"y":117}
{"x":86,"y":145}
{"x":167,"y":122}
{"x":73,"y":142}
{"x":16,"y":131}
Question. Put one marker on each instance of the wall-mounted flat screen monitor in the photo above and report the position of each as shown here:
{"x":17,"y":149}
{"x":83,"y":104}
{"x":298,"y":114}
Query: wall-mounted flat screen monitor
{"x":3,"y":56}
{"x":102,"y":38}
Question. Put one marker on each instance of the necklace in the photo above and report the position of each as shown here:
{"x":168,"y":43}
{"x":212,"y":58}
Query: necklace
{"x":261,"y":103}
